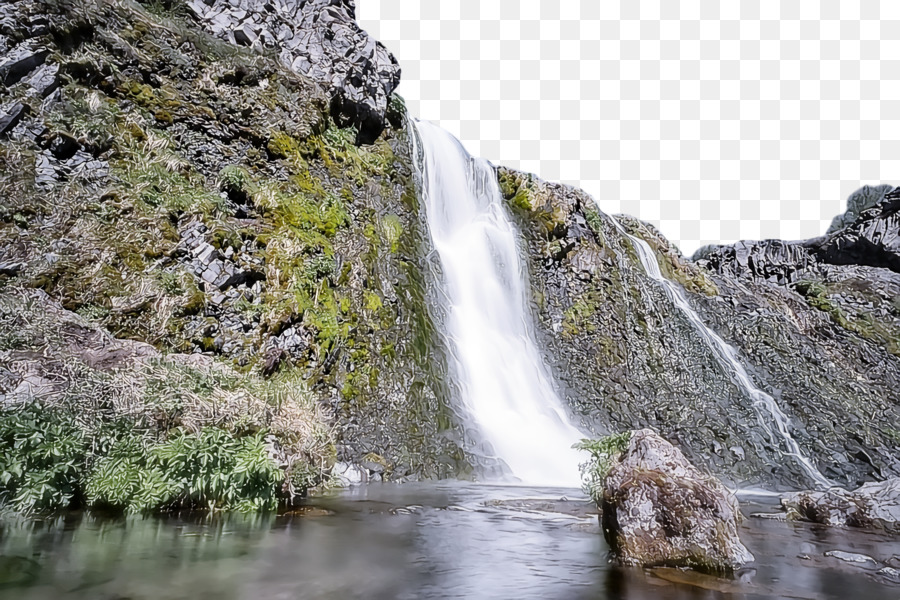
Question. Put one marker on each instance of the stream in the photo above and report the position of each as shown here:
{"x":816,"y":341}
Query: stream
{"x":427,"y":540}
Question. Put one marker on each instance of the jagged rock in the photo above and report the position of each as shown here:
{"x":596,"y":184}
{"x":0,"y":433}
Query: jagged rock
{"x":21,"y":61}
{"x":868,"y":233}
{"x":871,"y":506}
{"x":872,"y":239}
{"x":320,"y":39}
{"x":45,"y":80}
{"x":864,"y":198}
{"x":659,"y":510}
{"x":10,"y":116}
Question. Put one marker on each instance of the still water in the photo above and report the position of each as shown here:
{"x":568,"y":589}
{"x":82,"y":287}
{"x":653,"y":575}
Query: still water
{"x":438,"y":540}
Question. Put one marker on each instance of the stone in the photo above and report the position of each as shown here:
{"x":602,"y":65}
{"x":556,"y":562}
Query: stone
{"x":657,"y":509}
{"x":862,"y":199}
{"x":348,"y":475}
{"x":851,"y":557}
{"x":868,"y":233}
{"x":10,"y":116}
{"x":320,"y":39}
{"x":45,"y":80}
{"x":21,"y":61}
{"x":874,"y":505}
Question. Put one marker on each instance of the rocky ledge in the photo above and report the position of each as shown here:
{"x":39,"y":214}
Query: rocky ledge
{"x":320,"y":39}
{"x":867,"y":234}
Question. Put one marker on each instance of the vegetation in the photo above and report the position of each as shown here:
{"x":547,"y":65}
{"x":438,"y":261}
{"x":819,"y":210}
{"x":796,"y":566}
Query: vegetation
{"x":865,"y":324}
{"x":604,"y":453}
{"x":145,"y":434}
{"x":53,"y":463}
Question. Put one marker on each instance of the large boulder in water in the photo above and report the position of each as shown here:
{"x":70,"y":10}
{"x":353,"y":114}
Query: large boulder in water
{"x":872,"y":506}
{"x":660,"y":510}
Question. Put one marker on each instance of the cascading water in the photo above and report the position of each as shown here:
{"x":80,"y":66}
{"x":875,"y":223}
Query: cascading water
{"x":767,"y":409}
{"x":505,"y":387}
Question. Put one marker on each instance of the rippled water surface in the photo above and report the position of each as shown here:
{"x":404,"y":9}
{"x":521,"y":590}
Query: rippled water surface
{"x":413,"y":541}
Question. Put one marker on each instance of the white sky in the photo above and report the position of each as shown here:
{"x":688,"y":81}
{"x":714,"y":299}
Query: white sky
{"x":714,"y":121}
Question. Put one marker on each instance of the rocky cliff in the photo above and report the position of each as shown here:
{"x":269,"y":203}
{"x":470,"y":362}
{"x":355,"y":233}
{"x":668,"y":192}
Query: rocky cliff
{"x":233,"y":180}
{"x":209,"y":197}
{"x":816,"y":325}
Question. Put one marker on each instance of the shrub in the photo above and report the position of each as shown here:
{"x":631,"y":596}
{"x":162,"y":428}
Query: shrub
{"x":42,"y":459}
{"x":604,"y":451}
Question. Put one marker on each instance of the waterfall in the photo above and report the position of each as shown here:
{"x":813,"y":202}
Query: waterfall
{"x":505,"y":389}
{"x":767,"y":410}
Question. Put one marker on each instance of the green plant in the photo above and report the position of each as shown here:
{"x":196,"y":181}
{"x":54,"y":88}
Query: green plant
{"x":235,"y":178}
{"x":604,"y":452}
{"x":211,"y":469}
{"x":42,"y":458}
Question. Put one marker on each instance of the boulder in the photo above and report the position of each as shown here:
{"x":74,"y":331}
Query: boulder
{"x":657,"y":509}
{"x":872,"y":506}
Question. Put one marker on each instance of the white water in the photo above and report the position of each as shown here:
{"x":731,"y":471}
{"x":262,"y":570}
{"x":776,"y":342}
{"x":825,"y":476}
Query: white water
{"x":505,"y":387}
{"x":767,"y":409}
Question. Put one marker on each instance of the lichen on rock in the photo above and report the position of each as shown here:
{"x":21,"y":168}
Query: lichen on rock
{"x":657,"y":509}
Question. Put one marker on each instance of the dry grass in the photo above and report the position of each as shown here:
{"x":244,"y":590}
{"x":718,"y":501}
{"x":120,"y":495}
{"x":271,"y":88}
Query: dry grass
{"x":43,"y":343}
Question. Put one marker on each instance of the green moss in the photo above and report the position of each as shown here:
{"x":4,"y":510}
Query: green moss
{"x":577,"y":319}
{"x":391,"y":229}
{"x":863,"y":324}
{"x":594,"y":221}
{"x":517,"y":189}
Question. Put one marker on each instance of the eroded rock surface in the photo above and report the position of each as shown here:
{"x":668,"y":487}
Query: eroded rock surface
{"x":659,"y":510}
{"x":627,"y":357}
{"x":871,"y":506}
{"x":320,"y":39}
{"x":867,"y":234}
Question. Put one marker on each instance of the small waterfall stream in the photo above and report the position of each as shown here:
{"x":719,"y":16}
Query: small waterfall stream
{"x":505,"y":387}
{"x":767,"y":409}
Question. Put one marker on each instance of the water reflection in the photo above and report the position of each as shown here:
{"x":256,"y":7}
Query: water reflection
{"x":438,"y":541}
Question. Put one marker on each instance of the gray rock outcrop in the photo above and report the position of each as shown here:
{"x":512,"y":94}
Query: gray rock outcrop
{"x":867,"y":234}
{"x":660,"y":510}
{"x":320,"y":39}
{"x":871,"y":506}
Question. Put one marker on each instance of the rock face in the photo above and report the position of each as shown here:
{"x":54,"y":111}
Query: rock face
{"x":867,"y":234}
{"x":658,"y":509}
{"x":626,"y":356}
{"x":320,"y":39}
{"x":871,"y":506}
{"x":195,"y":194}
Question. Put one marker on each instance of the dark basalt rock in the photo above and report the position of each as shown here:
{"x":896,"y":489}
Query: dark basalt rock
{"x":867,"y":234}
{"x":659,"y":510}
{"x":873,"y":239}
{"x":871,"y":506}
{"x":320,"y":39}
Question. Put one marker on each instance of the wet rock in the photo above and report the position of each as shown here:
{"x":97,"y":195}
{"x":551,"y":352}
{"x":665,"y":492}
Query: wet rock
{"x":659,"y":510}
{"x":627,"y":357}
{"x":872,"y":506}
{"x":851,"y":557}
